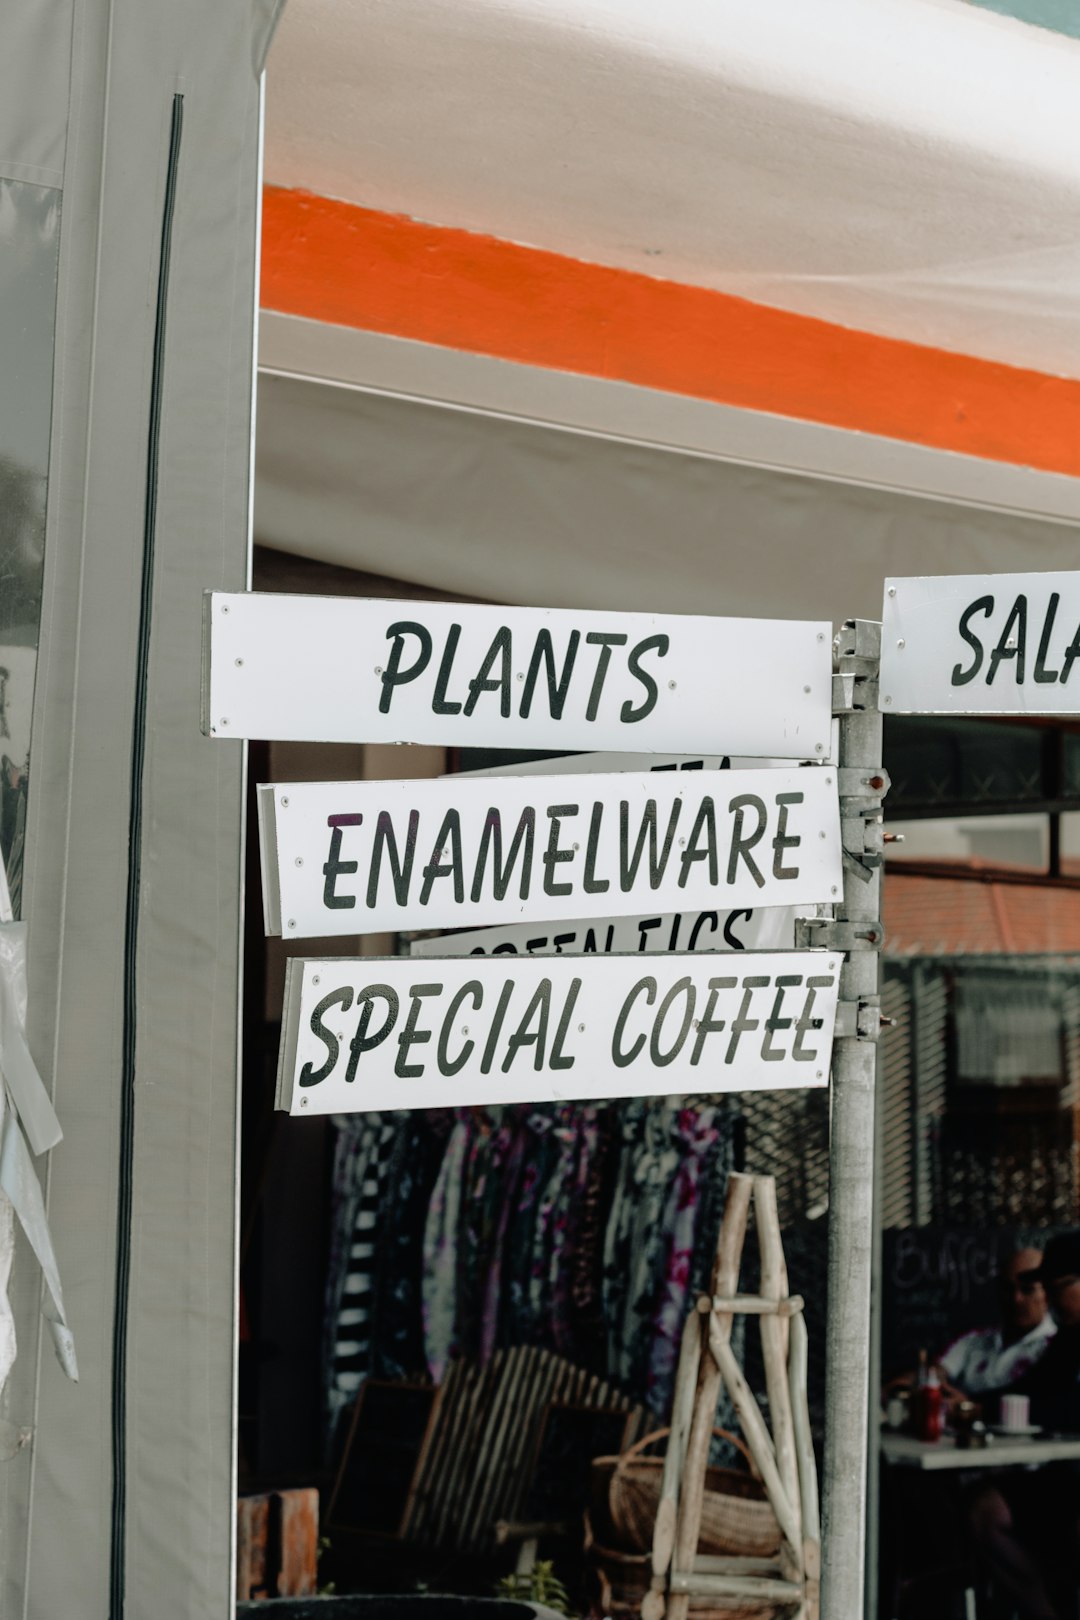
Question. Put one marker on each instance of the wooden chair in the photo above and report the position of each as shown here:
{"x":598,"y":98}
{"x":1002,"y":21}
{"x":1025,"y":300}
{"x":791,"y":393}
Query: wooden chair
{"x":788,"y":1584}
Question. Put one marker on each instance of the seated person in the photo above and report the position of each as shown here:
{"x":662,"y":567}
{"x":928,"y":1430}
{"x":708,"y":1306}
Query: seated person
{"x":1026,"y":1524}
{"x":992,"y":1357}
{"x":983,"y":1359}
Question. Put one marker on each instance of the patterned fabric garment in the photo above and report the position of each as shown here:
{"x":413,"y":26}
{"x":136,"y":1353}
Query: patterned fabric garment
{"x":503,"y":1186}
{"x":412,"y":1171}
{"x":479,"y":1220}
{"x":350,"y":1132}
{"x":655,"y":1166}
{"x":439,"y":1291}
{"x":517,"y":1325}
{"x":552,"y":1219}
{"x":695,"y":1135}
{"x":347,"y":1130}
{"x":618,"y":1231}
{"x":585,"y":1273}
{"x":712,"y":1193}
{"x":981,"y":1360}
{"x":351,"y":1347}
{"x":567,"y":1233}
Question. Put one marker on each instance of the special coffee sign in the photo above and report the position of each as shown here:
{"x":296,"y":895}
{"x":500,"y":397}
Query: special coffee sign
{"x":341,"y":669}
{"x":355,"y":857}
{"x":394,"y":1033}
{"x":981,"y":644}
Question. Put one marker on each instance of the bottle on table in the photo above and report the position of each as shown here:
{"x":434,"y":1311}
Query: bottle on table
{"x":929,"y":1403}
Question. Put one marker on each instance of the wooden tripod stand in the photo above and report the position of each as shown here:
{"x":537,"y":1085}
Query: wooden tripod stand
{"x":789,"y":1583}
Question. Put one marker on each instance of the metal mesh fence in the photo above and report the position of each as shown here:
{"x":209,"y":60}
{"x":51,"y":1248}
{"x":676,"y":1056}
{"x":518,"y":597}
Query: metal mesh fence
{"x":951,"y":1153}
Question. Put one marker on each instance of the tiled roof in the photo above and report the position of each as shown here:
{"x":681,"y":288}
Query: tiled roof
{"x":962,"y":913}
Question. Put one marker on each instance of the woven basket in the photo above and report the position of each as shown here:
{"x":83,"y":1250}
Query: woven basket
{"x":623,"y":1579}
{"x":736,"y":1516}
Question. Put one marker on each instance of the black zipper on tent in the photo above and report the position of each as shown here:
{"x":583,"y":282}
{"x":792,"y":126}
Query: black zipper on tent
{"x":131,"y":919}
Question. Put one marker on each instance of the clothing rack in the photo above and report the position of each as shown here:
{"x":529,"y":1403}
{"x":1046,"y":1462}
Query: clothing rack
{"x":581,"y":1228}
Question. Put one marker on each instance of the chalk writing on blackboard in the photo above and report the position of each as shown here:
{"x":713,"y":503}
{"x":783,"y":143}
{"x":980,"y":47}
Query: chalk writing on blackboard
{"x":957,"y":1265}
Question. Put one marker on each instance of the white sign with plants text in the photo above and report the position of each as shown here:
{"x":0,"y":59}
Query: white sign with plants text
{"x":343,"y":669}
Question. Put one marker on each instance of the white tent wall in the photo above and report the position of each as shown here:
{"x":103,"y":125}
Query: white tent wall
{"x":122,"y":1503}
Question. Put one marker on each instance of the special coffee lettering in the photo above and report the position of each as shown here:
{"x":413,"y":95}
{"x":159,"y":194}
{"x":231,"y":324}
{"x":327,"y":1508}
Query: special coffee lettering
{"x":536,"y":1026}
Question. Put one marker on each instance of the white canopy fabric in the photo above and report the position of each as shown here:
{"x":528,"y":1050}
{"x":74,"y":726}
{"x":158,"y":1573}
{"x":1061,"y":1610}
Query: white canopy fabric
{"x":906,"y":168}
{"x":493,"y":505}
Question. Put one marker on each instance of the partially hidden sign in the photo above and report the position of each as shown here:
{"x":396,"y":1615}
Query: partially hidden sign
{"x":577,"y":764}
{"x":981,"y":644}
{"x":342,"y":669}
{"x":768,"y":928}
{"x":368,"y":857}
{"x":374,"y":1033}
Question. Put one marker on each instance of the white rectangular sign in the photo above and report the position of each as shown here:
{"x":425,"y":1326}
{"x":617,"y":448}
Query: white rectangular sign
{"x":981,"y":644}
{"x":368,"y":857}
{"x":375,"y":1033}
{"x":341,"y":669}
{"x":771,"y":928}
{"x":578,"y":764}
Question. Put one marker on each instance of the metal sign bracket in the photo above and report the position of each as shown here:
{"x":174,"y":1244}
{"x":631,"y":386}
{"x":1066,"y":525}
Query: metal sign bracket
{"x":839,"y":933}
{"x":859,"y":1020}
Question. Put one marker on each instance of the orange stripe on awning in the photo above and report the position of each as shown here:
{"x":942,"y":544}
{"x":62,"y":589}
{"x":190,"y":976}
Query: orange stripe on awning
{"x":330,"y":261}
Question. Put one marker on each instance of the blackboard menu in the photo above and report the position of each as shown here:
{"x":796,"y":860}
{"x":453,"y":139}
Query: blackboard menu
{"x":938,"y":1282}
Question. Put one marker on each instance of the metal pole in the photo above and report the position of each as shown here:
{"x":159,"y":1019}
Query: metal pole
{"x":873,"y":1461}
{"x":856,"y":930}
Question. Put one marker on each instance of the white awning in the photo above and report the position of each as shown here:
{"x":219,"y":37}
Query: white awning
{"x":906,"y":168}
{"x":514,"y":484}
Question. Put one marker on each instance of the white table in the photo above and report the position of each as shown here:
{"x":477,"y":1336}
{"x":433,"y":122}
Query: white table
{"x":1000,"y":1451}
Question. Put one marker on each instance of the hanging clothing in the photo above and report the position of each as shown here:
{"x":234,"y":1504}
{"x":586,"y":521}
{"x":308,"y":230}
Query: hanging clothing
{"x":585,"y":1272}
{"x":412,"y":1171}
{"x":518,"y":1322}
{"x":655,"y":1164}
{"x":441,"y":1238}
{"x":502,"y":1195}
{"x":618,"y":1232}
{"x":350,"y":1347}
{"x":584,"y":1228}
{"x":695,"y":1134}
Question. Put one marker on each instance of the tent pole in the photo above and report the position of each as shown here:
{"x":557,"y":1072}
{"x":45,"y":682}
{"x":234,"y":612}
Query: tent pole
{"x":857,"y":930}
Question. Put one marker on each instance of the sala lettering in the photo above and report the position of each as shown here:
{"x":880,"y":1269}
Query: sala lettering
{"x":1016,"y":638}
